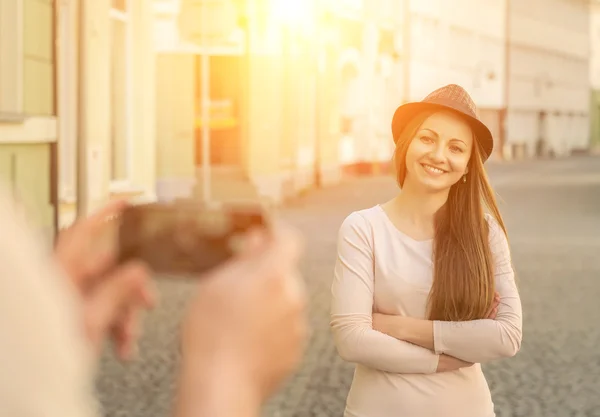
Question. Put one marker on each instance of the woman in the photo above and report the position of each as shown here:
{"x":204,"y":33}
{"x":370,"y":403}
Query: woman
{"x":424,"y":290}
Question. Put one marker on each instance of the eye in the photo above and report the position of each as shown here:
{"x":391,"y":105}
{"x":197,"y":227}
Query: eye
{"x":456,"y":149}
{"x":426,"y":139}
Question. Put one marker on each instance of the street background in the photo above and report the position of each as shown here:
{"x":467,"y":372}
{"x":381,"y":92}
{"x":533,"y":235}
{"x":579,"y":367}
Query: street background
{"x":289,"y":103}
{"x":552,"y":211}
{"x":265,"y":100}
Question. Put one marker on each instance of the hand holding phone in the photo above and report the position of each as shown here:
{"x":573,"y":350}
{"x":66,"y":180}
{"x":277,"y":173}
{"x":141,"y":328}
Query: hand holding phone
{"x":186,"y":238}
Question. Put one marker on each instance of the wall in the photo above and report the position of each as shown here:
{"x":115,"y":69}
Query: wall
{"x":461,"y":42}
{"x":595,"y":45}
{"x":549,"y":72}
{"x":25,"y":141}
{"x":38,"y":65}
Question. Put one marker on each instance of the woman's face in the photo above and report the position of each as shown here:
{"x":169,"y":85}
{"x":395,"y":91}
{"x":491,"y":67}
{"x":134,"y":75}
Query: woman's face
{"x":439,"y":153}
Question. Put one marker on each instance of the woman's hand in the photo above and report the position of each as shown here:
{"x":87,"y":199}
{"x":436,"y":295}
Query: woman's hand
{"x":493,"y":311}
{"x":111,"y":296}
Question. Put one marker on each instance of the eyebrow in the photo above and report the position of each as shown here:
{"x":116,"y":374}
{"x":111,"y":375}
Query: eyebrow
{"x":436,"y":134}
{"x":432,"y":131}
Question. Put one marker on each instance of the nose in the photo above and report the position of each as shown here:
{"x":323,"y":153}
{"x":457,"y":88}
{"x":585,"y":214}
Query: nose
{"x":437,"y":153}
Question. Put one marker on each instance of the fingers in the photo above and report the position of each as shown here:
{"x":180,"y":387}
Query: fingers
{"x":78,"y":247}
{"x":113,"y":297}
{"x":112,"y":209}
{"x":89,"y":269}
{"x":127,"y":330}
{"x":266,"y":256}
{"x":126,"y":333}
{"x":254,"y":241}
{"x":493,"y":311}
{"x":283,"y":248}
{"x":279,"y":264}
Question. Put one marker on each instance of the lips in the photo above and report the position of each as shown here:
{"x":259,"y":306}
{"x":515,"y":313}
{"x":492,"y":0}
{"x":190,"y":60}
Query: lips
{"x":433,"y":170}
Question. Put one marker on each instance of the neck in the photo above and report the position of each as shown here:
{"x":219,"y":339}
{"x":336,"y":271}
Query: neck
{"x":418,"y":205}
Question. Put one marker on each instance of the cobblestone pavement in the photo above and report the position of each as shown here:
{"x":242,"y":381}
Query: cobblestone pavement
{"x":552,"y":210}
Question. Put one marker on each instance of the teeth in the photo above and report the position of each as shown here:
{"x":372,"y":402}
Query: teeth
{"x":433,"y":169}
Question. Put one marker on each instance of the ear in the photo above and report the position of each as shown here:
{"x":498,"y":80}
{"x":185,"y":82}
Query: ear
{"x":467,"y":171}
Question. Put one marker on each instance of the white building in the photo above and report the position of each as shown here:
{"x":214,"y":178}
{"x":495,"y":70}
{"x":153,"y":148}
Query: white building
{"x":370,"y":69}
{"x":548,"y":97}
{"x":459,"y":42}
{"x":524,"y":63}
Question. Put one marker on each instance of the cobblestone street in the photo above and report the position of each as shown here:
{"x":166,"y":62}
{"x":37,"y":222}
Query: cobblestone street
{"x":552,"y":210}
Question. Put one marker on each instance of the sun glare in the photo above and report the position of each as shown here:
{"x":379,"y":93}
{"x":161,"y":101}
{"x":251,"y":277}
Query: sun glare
{"x":295,"y":13}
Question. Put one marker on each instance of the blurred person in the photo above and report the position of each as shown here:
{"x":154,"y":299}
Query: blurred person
{"x":242,"y":335}
{"x":424,"y":290}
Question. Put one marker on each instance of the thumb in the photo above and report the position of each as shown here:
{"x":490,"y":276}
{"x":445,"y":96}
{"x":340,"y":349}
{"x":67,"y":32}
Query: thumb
{"x":121,"y":290}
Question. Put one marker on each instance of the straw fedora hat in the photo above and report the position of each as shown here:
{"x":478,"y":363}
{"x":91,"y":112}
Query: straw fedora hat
{"x":450,"y":97}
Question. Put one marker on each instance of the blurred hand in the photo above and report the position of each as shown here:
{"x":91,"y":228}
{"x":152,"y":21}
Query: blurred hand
{"x":450,"y":363}
{"x":246,"y":326}
{"x":112,"y":296}
{"x":493,"y":311}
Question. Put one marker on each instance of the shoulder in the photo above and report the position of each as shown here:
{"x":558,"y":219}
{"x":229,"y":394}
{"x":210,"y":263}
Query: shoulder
{"x":358,"y":224}
{"x":497,"y":237}
{"x":493,"y":225}
{"x":360,"y":219}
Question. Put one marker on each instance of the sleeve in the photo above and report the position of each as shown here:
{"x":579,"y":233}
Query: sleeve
{"x":352,"y":306}
{"x":47,"y":368}
{"x":481,"y":341}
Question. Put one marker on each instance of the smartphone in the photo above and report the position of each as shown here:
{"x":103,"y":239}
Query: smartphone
{"x":186,"y":238}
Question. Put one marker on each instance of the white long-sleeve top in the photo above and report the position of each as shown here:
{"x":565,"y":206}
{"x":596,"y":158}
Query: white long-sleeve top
{"x":380,"y":269}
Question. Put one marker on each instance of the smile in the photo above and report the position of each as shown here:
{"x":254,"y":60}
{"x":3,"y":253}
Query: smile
{"x":433,"y":170}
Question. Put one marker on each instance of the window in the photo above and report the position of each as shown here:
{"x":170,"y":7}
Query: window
{"x":121,"y":93}
{"x":11,"y":58}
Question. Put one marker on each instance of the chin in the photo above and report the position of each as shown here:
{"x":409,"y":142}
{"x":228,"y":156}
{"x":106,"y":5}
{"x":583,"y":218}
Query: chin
{"x":431,"y":187}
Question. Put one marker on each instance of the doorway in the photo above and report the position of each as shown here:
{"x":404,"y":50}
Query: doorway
{"x":226,"y":111}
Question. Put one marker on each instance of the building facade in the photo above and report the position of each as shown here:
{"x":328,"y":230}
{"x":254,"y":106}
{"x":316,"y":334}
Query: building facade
{"x":268,"y":83}
{"x":595,"y":76}
{"x":460,"y":42}
{"x":406,"y":50}
{"x":549,"y":83}
{"x":28,"y":122}
{"x":105,"y":102}
{"x":370,"y":71}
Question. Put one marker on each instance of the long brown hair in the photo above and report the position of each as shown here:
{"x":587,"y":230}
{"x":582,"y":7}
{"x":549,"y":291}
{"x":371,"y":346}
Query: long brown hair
{"x":463,"y":271}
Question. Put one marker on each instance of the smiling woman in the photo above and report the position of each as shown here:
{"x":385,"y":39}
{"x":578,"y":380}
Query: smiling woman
{"x":440,"y":153}
{"x":423,"y":288}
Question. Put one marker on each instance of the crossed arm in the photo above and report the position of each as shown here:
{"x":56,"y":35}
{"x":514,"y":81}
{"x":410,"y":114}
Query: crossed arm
{"x":407,"y":345}
{"x":352,"y":306}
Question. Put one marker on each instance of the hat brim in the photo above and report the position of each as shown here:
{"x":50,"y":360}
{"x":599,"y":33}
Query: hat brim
{"x":407,"y":111}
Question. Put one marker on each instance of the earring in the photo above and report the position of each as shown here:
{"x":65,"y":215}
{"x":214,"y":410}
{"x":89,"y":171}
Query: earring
{"x":464,"y":178}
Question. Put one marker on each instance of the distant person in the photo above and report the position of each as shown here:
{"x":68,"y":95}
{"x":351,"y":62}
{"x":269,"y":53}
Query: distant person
{"x":424,"y":289}
{"x":243,"y":334}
